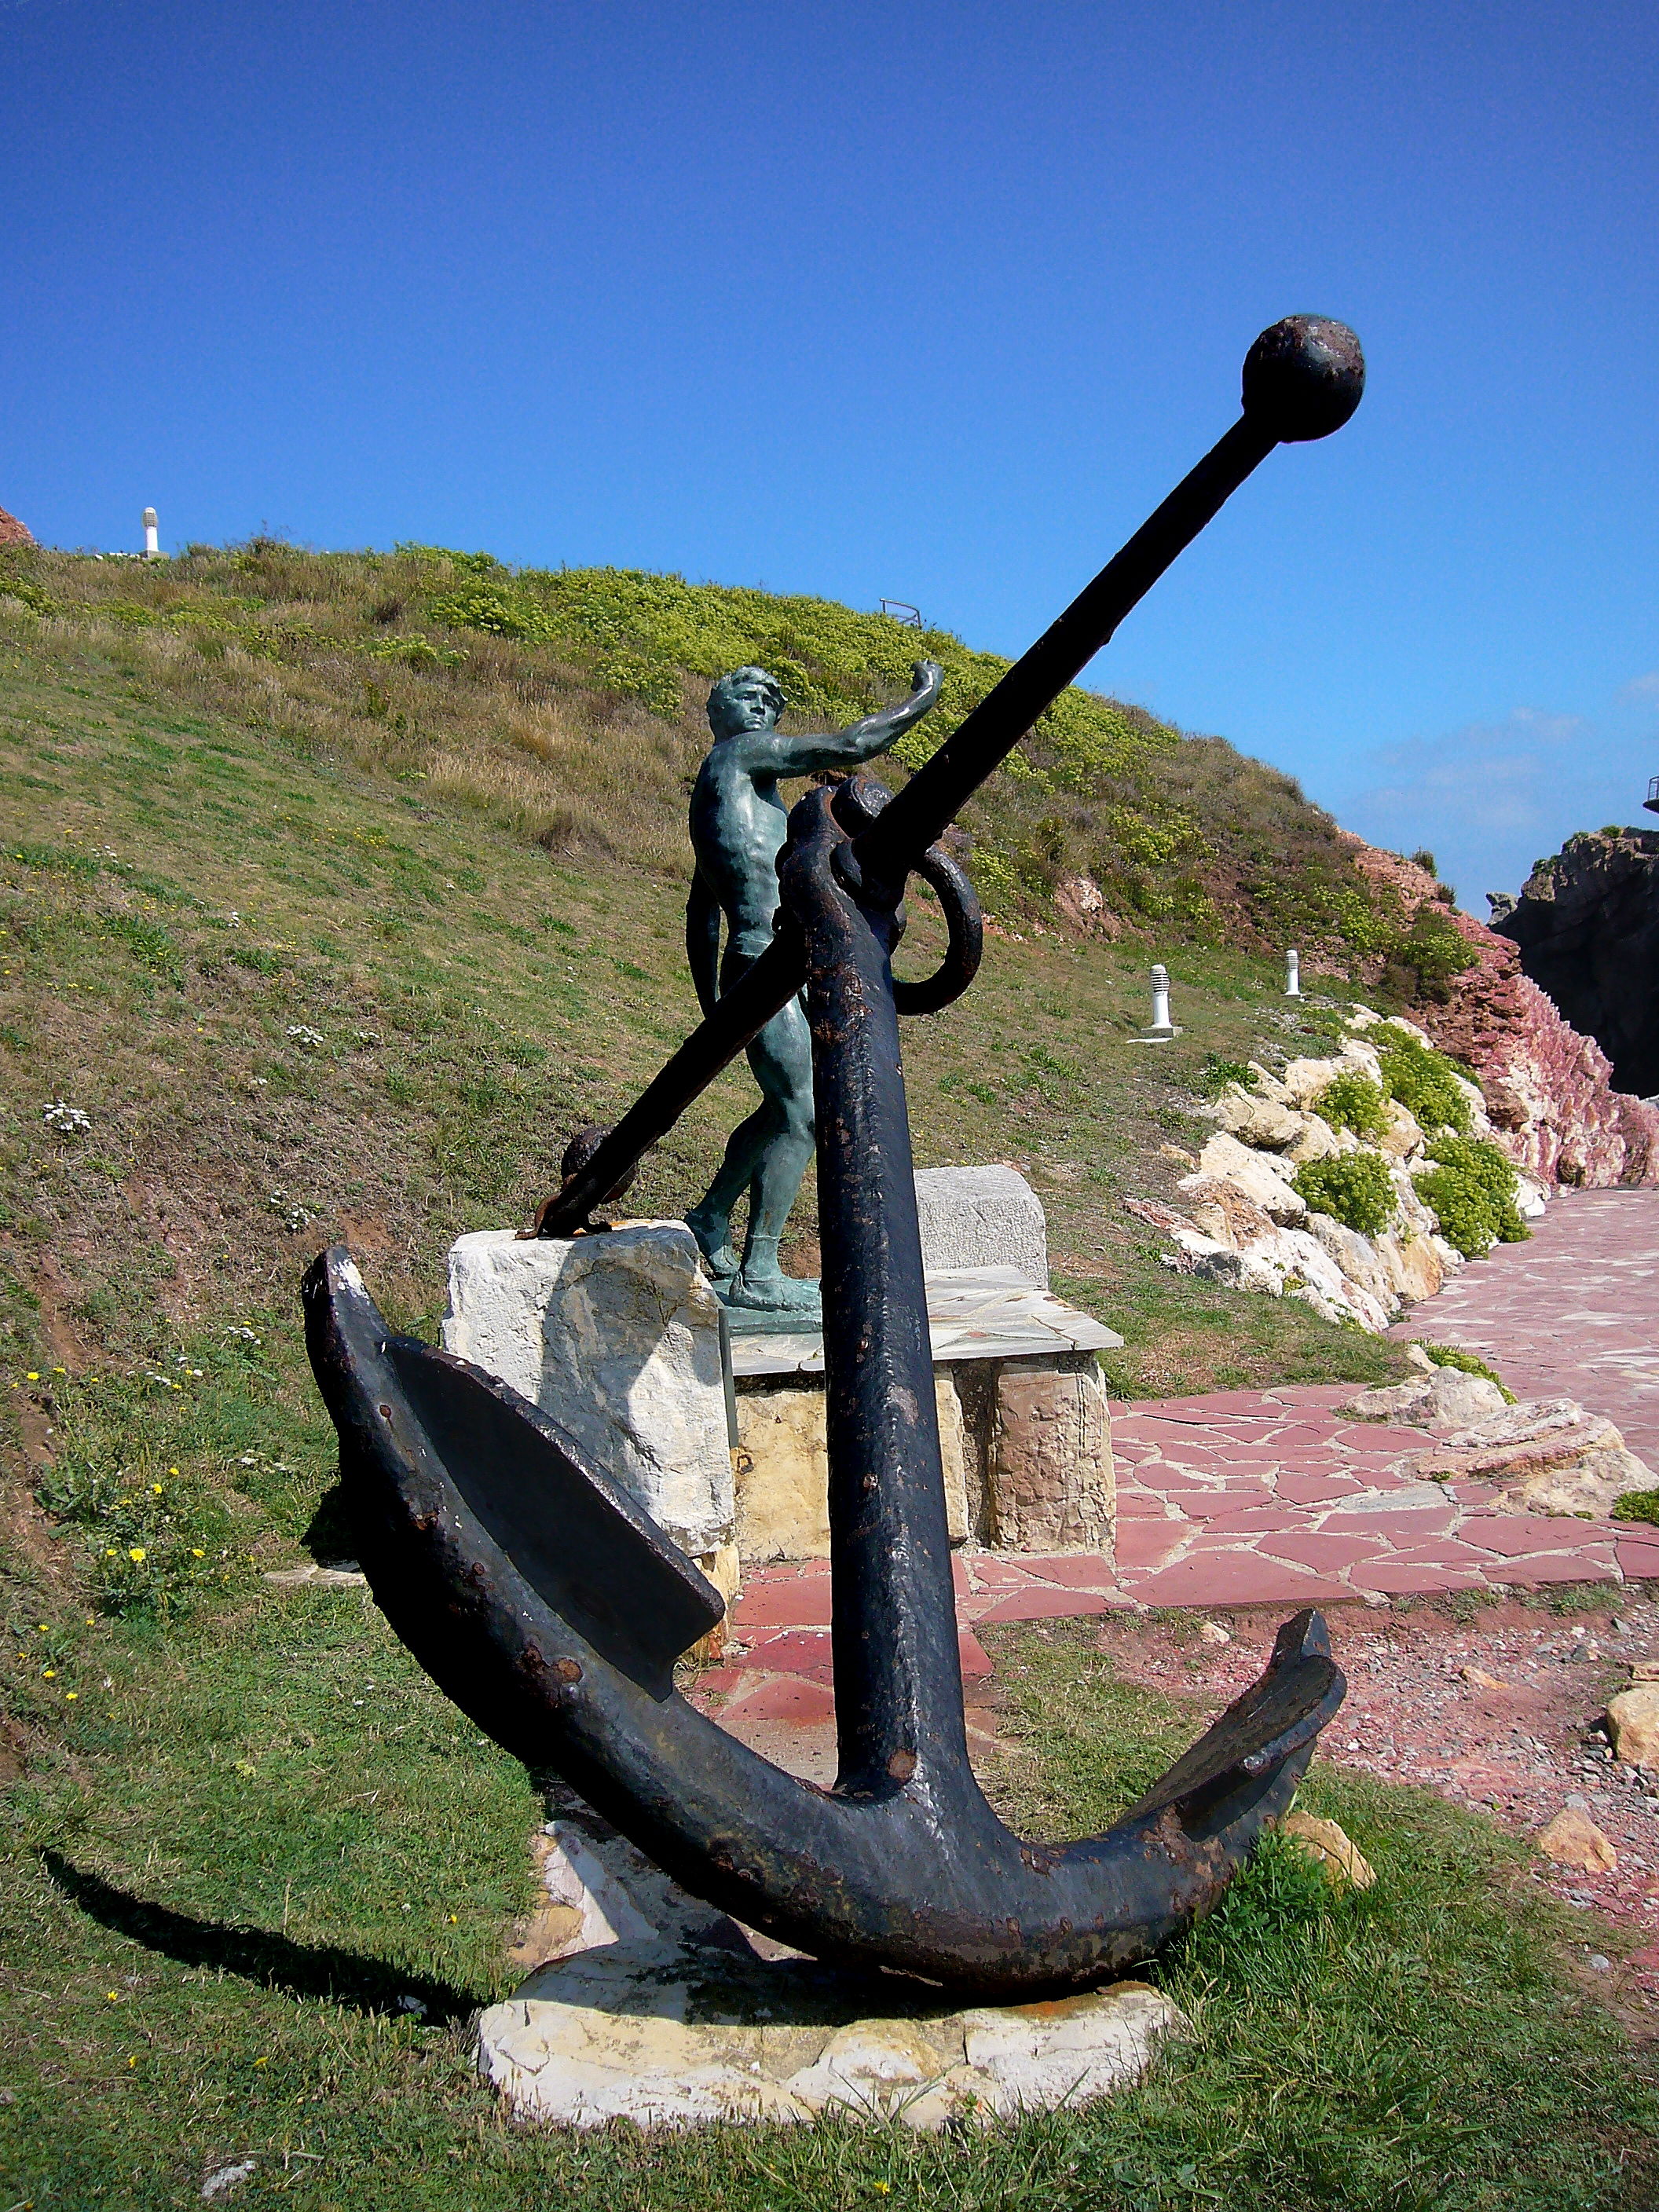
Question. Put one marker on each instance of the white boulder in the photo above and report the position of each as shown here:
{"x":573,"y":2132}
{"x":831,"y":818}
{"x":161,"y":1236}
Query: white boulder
{"x":616,"y":1339}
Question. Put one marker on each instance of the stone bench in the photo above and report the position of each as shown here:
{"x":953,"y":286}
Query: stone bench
{"x":714,"y":1420}
{"x":1022,"y":1415}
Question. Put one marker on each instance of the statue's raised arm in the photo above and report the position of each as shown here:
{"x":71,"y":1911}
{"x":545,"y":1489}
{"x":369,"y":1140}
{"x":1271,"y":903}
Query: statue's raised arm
{"x":815,"y":751}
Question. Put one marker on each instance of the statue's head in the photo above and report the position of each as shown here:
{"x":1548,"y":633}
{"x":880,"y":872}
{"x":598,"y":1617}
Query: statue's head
{"x":747,"y":699}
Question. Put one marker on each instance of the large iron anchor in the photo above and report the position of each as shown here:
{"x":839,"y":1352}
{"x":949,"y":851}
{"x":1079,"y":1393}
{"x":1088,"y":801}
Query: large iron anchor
{"x":542,"y":1599}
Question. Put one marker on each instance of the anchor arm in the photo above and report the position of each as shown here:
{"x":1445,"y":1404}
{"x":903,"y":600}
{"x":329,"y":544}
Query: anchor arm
{"x":440,"y":1462}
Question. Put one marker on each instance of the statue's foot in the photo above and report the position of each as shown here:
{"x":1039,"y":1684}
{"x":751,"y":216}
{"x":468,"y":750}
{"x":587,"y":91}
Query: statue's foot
{"x":773,"y":1293}
{"x":719,"y":1255}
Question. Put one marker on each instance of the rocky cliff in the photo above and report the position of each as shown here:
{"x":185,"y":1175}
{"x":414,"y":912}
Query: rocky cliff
{"x":12,"y":532}
{"x":1549,"y":1087}
{"x":1586,"y":927}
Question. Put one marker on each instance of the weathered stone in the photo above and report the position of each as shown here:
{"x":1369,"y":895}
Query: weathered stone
{"x":1544,"y":1456}
{"x":782,"y":1463}
{"x":1344,"y":1865}
{"x":1210,"y":1261}
{"x":652,"y":2007}
{"x":312,"y":1577}
{"x":1633,"y":1717}
{"x":1357,"y":1257}
{"x":982,"y":1217}
{"x":1403,"y":1138}
{"x":1267,"y":1082}
{"x":13,"y":533}
{"x":1315,"y":1139}
{"x":1412,"y":1264}
{"x":1223,"y":1212}
{"x":1548,"y":1089}
{"x":1312,"y":1273}
{"x":1052,"y":1482}
{"x":616,"y":1339}
{"x":1447,"y":1399}
{"x":1259,"y":1176}
{"x":1572,"y":1840}
{"x":1259,"y":1121}
{"x":1305,"y":1080}
{"x":1080,"y":902}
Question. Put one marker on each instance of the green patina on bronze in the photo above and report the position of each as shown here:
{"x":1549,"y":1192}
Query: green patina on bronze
{"x":738,"y":823}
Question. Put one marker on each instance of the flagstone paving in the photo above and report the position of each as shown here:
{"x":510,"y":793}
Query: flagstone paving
{"x":1254,"y":1497}
{"x":1240,"y":1498}
{"x":1572,"y":1313}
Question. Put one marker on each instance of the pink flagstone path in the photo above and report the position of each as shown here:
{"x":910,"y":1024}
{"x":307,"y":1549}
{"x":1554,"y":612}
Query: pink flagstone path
{"x":1572,"y":1313}
{"x":1238,"y":1498}
{"x":1244,"y":1497}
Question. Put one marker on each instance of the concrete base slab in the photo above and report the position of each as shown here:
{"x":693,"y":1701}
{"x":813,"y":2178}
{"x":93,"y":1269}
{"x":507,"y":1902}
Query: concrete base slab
{"x":676,"y":2038}
{"x":649,"y":2005}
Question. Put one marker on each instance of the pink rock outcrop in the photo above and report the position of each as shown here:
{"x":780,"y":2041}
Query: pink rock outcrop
{"x":1549,"y":1089}
{"x":13,"y":533}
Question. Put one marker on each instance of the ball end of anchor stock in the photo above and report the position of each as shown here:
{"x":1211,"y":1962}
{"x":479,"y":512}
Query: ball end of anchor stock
{"x":1304,"y":378}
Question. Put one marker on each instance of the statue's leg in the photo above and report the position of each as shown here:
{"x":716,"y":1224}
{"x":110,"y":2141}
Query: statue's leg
{"x":781,"y":1058}
{"x":710,"y":1219}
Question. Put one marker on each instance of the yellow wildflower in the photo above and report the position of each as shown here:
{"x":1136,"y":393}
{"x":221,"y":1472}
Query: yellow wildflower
{"x":135,"y":1553}
{"x":52,"y":1674}
{"x":71,"y":1695}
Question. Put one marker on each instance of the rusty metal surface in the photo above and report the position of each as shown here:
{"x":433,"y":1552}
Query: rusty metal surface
{"x":549,"y":1606}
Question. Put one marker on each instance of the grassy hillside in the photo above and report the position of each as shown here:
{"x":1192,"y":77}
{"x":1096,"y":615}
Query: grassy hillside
{"x":568,"y":705}
{"x":297,"y":943}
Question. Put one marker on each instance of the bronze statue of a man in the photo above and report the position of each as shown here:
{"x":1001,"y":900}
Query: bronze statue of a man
{"x":737,"y":824}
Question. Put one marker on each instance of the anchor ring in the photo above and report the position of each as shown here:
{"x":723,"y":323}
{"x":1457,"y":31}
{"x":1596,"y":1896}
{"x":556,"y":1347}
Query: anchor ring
{"x":965,"y":949}
{"x":858,"y":802}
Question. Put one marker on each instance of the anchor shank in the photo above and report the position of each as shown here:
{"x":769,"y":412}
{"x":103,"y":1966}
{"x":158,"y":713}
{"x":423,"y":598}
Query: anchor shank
{"x":898,"y":1674}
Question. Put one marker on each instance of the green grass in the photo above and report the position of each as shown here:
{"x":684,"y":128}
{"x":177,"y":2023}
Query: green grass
{"x":568,"y":704}
{"x":298,"y":994}
{"x":269,"y":1831}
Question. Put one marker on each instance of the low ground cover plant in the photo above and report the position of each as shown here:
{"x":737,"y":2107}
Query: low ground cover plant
{"x":1352,"y":1101}
{"x":1472,"y":1190}
{"x":1353,"y":1187}
{"x":1423,"y":1080}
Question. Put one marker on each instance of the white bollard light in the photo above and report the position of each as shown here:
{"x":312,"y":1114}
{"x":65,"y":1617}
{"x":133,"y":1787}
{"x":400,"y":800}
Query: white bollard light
{"x":152,"y":541}
{"x":1292,"y":975}
{"x":1161,"y":1025}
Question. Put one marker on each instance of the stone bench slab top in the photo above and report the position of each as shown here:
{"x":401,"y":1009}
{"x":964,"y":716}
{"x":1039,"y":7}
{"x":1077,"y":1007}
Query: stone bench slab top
{"x":973,"y":1313}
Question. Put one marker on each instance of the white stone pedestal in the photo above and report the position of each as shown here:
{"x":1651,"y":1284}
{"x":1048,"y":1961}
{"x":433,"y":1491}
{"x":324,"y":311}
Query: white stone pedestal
{"x":658,"y":2010}
{"x":616,"y":1337}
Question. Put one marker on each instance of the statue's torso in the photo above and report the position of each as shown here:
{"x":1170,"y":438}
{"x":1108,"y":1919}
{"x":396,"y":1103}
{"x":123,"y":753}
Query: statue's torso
{"x":739,"y":821}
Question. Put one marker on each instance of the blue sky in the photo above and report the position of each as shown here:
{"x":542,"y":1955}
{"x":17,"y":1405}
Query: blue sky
{"x":926,"y":302}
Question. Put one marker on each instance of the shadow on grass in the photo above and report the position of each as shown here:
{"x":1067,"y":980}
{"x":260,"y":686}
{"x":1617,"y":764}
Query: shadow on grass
{"x":296,"y":1970}
{"x":331,"y":1536}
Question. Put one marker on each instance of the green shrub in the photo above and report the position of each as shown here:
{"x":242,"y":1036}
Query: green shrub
{"x":1423,"y":1080}
{"x":1434,"y":950}
{"x":1353,"y":1102}
{"x":1636,"y":1505}
{"x":1216,"y":1073}
{"x":497,"y":613}
{"x":27,"y":594}
{"x":1471,"y":1189}
{"x":1452,"y":1355}
{"x":1353,"y":1187}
